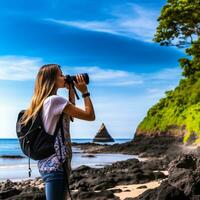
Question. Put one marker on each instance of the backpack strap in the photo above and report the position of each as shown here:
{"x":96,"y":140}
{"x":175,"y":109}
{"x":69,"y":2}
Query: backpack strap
{"x":58,"y":126}
{"x":63,"y":166}
{"x":29,"y":165}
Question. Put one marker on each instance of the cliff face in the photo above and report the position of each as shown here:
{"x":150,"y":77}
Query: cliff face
{"x":177,"y":115}
{"x":173,"y":131}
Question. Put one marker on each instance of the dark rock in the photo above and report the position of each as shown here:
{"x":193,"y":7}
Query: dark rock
{"x":157,"y":164}
{"x":168,"y":192}
{"x":84,"y":189}
{"x":29,"y":193}
{"x":184,"y":173}
{"x":130,"y":171}
{"x":23,"y":190}
{"x":12,"y":156}
{"x":36,"y":196}
{"x":7,"y":185}
{"x":142,"y":187}
{"x":82,"y":168}
{"x":159,"y":175}
{"x":103,"y":135}
{"x":147,"y":195}
{"x":9,"y":193}
{"x":116,"y":190}
{"x":89,"y":156}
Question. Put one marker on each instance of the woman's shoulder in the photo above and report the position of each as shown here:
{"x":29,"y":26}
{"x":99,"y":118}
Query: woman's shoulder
{"x":55,"y":104}
{"x":54,"y":99}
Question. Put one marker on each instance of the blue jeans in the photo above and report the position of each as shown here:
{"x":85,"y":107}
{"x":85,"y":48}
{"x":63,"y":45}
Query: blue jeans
{"x":55,"y":185}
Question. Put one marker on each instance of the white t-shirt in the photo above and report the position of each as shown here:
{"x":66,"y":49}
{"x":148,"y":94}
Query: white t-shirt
{"x":53,"y":107}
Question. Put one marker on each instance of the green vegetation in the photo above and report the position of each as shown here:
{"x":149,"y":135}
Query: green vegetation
{"x":179,"y":25}
{"x":180,"y":107}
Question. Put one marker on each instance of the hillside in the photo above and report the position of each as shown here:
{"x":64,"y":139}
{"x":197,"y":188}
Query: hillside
{"x":177,"y":114}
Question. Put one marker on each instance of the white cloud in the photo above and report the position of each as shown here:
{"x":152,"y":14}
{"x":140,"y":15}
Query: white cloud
{"x":166,"y":74}
{"x":129,"y":20}
{"x":88,"y":25}
{"x":127,"y":83}
{"x":25,"y":68}
{"x":18,"y":67}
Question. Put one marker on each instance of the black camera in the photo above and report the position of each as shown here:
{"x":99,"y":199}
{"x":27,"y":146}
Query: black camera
{"x":69,"y":79}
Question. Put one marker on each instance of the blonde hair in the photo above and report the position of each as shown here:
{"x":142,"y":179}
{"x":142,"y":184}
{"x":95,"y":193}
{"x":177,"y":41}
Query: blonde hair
{"x":45,"y":86}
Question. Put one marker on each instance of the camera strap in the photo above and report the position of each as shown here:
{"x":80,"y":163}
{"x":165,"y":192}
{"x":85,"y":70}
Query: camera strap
{"x":75,"y":90}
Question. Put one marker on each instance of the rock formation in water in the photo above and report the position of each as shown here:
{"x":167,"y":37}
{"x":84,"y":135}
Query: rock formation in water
{"x":103,"y":135}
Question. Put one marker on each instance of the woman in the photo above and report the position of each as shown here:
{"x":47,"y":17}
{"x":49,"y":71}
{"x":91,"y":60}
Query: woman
{"x":49,"y":80}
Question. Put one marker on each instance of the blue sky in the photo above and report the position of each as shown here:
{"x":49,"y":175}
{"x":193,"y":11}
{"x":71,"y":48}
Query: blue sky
{"x":109,"y":40}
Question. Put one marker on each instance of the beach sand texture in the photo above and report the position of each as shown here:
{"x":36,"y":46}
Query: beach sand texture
{"x":134,"y":190}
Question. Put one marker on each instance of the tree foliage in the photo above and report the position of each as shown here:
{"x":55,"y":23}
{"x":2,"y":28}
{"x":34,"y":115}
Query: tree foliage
{"x":179,"y":23}
{"x":191,"y":66}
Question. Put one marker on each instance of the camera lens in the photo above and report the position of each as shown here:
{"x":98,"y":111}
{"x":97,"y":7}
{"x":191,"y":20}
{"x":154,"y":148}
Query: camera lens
{"x":85,"y":76}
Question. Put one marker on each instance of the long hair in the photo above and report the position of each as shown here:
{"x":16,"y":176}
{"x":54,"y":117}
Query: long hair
{"x":45,"y":86}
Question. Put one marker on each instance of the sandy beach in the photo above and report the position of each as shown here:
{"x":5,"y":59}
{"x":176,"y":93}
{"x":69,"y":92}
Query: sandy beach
{"x":134,"y":190}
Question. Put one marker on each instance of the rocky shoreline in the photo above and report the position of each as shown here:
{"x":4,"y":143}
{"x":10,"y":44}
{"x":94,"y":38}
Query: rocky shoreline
{"x":141,"y":146}
{"x":87,"y":182}
{"x":182,"y":183}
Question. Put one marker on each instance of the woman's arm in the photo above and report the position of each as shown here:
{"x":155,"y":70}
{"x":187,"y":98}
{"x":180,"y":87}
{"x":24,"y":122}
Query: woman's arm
{"x":88,"y":112}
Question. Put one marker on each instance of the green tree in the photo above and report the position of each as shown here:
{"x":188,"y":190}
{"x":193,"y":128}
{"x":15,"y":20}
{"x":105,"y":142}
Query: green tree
{"x":179,"y":25}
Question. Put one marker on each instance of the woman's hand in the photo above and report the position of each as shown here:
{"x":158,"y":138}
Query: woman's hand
{"x":81,"y":85}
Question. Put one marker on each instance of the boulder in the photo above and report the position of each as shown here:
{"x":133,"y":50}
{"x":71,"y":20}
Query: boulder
{"x":184,"y":173}
{"x":103,"y":135}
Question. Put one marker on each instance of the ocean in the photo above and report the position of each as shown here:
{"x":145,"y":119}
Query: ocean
{"x":17,"y":169}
